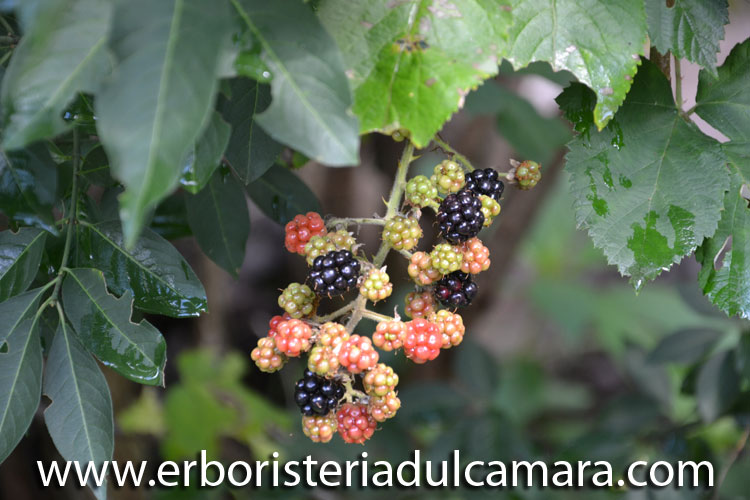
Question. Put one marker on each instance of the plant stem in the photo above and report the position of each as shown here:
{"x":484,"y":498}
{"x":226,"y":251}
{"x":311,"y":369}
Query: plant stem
{"x":335,"y":314}
{"x":71,"y":216}
{"x":349,"y":221}
{"x":677,"y":82}
{"x":375,"y":316}
{"x":448,"y":149}
{"x":6,"y":25}
{"x":392,"y":206}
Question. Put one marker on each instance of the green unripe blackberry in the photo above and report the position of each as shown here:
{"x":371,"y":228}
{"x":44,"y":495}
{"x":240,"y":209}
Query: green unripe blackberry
{"x":528,"y":174}
{"x":402,"y":233}
{"x":490,"y":208}
{"x":297,"y":300}
{"x":446,"y":258}
{"x":448,"y":177}
{"x":421,"y":191}
{"x":322,"y":244}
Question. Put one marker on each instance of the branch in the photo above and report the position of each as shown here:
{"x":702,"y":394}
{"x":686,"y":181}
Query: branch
{"x":448,"y":149}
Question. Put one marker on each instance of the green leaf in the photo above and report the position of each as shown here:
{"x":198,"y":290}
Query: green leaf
{"x":79,"y":418}
{"x":220,"y":222}
{"x":684,"y":346}
{"x":204,"y":159}
{"x":475,"y":370}
{"x":531,"y":135}
{"x":20,"y":254}
{"x":717,"y":386}
{"x":649,"y":187}
{"x":281,"y":195}
{"x":28,"y":182}
{"x":724,"y":102}
{"x":103,"y":323}
{"x":652,"y":380}
{"x":158,"y":277}
{"x":725,"y":257}
{"x":160,"y":95}
{"x":251,"y":151}
{"x":20,"y":368}
{"x":311,"y":97}
{"x":599,"y":41}
{"x":411,"y":63}
{"x":689,"y":29}
{"x":63,"y":52}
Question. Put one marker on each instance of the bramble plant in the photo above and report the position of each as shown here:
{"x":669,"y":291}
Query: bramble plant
{"x":341,"y":362}
{"x":129,"y":123}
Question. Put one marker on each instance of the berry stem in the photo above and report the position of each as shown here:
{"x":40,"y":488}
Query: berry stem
{"x":352,"y":393}
{"x":350,"y":221}
{"x":406,"y":254}
{"x":334,"y":314}
{"x":458,"y":156}
{"x":375,"y":316}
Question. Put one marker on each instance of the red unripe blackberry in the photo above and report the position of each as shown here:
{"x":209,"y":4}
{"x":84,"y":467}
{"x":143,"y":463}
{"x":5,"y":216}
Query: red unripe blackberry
{"x":460,"y":216}
{"x":456,"y":289}
{"x":422,"y":341}
{"x":319,"y":428}
{"x":355,"y":424}
{"x":384,"y":407}
{"x":421,"y":270}
{"x":300,"y":229}
{"x":451,"y":327}
{"x":266,"y":357}
{"x":380,"y":380}
{"x":293,"y":337}
{"x":419,"y":304}
{"x":388,"y":335}
{"x":357,"y":355}
{"x":476,"y":256}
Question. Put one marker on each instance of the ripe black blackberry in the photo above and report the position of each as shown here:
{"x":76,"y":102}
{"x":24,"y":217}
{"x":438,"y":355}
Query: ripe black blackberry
{"x":316,"y":395}
{"x":455,"y":289}
{"x":485,"y":182}
{"x":334,"y":273}
{"x":460,"y":216}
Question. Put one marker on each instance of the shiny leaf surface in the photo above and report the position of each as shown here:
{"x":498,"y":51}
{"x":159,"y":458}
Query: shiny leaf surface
{"x":598,"y":41}
{"x":102,"y":322}
{"x":20,"y":254}
{"x":159,"y":278}
{"x":20,"y":368}
{"x":309,"y":86}
{"x":28,"y":181}
{"x":160,"y":95}
{"x":79,"y":418}
{"x":649,"y":187}
{"x":63,"y":52}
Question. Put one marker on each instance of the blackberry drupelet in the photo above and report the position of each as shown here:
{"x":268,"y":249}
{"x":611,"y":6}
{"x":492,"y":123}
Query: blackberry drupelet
{"x":334,"y":273}
{"x":460,"y":216}
{"x":316,"y":395}
{"x":456,"y":289}
{"x":485,"y":182}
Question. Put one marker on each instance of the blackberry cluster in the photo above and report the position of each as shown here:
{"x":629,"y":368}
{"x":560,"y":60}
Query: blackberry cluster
{"x":456,"y":289}
{"x":460,"y":216}
{"x":316,"y":395}
{"x":485,"y":182}
{"x":334,"y":273}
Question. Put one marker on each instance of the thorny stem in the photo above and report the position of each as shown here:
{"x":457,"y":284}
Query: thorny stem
{"x":335,"y":314}
{"x":349,"y":221}
{"x":458,"y":156}
{"x":392,"y":206}
{"x":375,"y":316}
{"x":730,"y":462}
